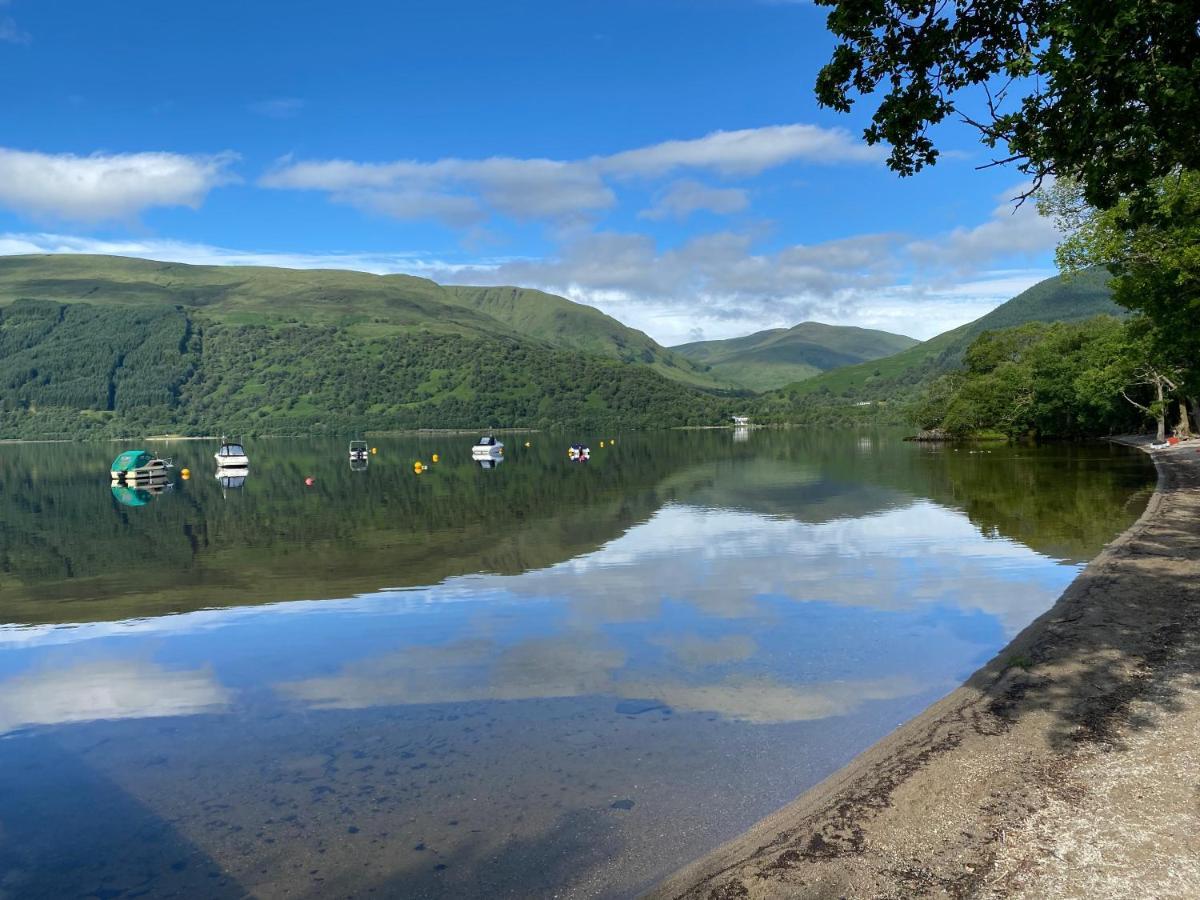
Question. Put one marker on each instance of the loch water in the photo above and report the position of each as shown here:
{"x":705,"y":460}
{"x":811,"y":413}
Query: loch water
{"x":537,"y":679}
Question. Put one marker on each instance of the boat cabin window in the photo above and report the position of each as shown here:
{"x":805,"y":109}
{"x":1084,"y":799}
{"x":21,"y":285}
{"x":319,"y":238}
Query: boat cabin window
{"x":232,"y":450}
{"x":486,"y":441}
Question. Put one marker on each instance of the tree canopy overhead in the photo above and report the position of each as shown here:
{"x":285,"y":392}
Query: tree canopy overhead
{"x":1106,"y":92}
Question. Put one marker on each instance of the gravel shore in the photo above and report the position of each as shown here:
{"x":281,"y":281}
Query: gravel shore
{"x":1069,"y":766}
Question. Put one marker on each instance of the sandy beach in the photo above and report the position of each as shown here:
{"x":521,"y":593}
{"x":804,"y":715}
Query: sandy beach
{"x":1069,"y":766}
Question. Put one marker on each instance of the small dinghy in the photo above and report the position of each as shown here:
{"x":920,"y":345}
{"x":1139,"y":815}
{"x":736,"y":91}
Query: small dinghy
{"x":231,"y":455}
{"x":359,"y":450}
{"x":137,"y":466}
{"x":579,"y":453}
{"x":487,"y":448}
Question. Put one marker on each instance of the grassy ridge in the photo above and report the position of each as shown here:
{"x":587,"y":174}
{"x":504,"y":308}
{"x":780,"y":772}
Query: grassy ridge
{"x":771,"y":359}
{"x":567,"y":325}
{"x":1056,"y":299}
{"x":361,"y":303}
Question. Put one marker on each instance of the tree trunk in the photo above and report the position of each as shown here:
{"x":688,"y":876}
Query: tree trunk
{"x":1184,"y":428}
{"x":1195,"y":404}
{"x":1161,"y":409}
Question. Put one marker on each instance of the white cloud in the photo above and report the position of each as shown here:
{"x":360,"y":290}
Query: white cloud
{"x":558,"y":189}
{"x":13,"y":243}
{"x":278,"y":107}
{"x":106,"y":186}
{"x":120,"y":689}
{"x":456,"y":191}
{"x":748,"y":151}
{"x":682,"y":198}
{"x":1010,"y":231}
{"x":10,"y":31}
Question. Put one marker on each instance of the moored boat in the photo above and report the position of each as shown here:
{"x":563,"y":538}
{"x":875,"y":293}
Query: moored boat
{"x":231,"y":455}
{"x":139,"y":465}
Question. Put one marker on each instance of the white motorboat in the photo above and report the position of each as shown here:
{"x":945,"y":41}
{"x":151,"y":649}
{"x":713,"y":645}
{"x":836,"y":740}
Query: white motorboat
{"x":231,"y":455}
{"x":487,"y":448}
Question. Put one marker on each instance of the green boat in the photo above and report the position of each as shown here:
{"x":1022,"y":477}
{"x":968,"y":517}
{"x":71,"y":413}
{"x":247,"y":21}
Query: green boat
{"x":139,"y":465}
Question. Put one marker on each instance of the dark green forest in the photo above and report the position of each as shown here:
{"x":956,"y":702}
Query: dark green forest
{"x":70,"y":370}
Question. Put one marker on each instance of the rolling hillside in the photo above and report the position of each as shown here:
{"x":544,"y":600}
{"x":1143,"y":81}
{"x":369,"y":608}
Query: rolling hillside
{"x":771,"y":359}
{"x":1056,"y":299}
{"x":357,"y":302}
{"x":573,"y":326}
{"x":95,"y":345}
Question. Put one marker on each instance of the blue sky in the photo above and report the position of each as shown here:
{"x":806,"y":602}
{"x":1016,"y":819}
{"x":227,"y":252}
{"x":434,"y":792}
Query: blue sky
{"x":661,"y":159}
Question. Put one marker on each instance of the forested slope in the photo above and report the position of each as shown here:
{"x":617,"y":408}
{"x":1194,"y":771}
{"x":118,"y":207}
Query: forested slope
{"x":74,"y":369}
{"x":903,"y":376}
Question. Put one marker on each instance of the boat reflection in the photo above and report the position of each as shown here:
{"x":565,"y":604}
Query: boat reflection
{"x":232,"y":478}
{"x":490,"y":463}
{"x":141,"y":494}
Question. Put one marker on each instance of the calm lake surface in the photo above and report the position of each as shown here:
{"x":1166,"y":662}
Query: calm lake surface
{"x":542,"y":679}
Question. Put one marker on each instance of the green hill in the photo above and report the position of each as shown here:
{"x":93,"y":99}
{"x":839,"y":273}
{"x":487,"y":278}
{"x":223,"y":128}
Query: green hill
{"x":108,"y":345}
{"x":771,"y":359}
{"x":358,"y":302}
{"x":573,"y":326}
{"x":1056,"y":299}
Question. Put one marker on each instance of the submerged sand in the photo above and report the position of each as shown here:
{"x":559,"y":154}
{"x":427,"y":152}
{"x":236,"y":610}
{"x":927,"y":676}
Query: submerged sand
{"x":1069,"y":766}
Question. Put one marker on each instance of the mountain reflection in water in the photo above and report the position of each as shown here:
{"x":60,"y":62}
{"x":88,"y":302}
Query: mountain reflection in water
{"x":544,"y":679}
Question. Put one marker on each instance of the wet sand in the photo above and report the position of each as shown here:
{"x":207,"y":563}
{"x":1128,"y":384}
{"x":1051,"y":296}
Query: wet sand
{"x":1069,"y":766}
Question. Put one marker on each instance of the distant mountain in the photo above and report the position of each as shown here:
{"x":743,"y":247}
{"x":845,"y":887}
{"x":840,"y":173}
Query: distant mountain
{"x":779,"y":356}
{"x":1057,"y":299}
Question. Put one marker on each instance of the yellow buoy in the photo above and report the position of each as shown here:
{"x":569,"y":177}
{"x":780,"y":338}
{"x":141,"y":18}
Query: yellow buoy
{"x":185,"y":474}
{"x":528,"y":444}
{"x":602,"y":445}
{"x":418,"y":466}
{"x":374,"y":450}
{"x":435,"y":457}
{"x":611,"y":441}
